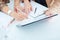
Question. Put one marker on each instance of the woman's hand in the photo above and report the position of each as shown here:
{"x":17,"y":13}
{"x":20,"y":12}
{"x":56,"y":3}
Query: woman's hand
{"x":18,"y":7}
{"x":19,"y":16}
{"x":55,"y":8}
{"x":27,"y":7}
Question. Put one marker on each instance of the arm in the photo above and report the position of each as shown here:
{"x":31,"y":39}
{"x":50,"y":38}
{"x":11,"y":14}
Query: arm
{"x":48,"y":2}
{"x":18,"y":16}
{"x":27,"y":6}
{"x":5,"y":9}
{"x":17,"y":5}
{"x":26,"y":0}
{"x":55,"y":8}
{"x":16,"y":2}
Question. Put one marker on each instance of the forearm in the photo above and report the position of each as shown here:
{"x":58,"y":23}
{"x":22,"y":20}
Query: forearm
{"x":55,"y":8}
{"x":51,"y":2}
{"x":57,"y":0}
{"x":16,"y":2}
{"x":5,"y":9}
{"x":26,"y":1}
{"x":48,"y":2}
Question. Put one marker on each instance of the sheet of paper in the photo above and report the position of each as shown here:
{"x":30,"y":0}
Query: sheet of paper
{"x":4,"y":19}
{"x":34,"y":16}
{"x":37,"y":9}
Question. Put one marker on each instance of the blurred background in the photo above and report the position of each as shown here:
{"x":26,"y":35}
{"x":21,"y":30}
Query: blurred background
{"x":48,"y":29}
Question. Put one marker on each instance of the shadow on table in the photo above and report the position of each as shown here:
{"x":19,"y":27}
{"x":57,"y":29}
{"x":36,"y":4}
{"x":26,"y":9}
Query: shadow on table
{"x":37,"y":25}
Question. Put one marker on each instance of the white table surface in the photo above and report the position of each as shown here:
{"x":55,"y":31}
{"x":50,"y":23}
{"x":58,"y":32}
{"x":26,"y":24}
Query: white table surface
{"x":43,"y":30}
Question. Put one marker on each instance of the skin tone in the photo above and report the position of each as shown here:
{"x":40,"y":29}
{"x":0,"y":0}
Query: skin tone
{"x":48,"y":2}
{"x":54,"y":8}
{"x":21,"y":16}
{"x":18,"y":16}
{"x":17,"y":5}
{"x":27,"y":6}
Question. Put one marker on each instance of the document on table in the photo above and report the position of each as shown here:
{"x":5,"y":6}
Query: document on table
{"x":4,"y":19}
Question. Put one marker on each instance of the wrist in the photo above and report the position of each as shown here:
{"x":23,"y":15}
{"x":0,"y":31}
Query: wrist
{"x":6,"y":10}
{"x":1,"y":5}
{"x":16,"y":2}
{"x":26,"y":1}
{"x":52,"y":2}
{"x":13,"y":14}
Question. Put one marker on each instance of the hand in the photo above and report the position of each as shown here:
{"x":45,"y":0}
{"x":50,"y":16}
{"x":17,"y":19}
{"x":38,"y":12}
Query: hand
{"x":55,"y":8}
{"x":27,"y":7}
{"x":18,"y":7}
{"x":48,"y":12}
{"x":19,"y":16}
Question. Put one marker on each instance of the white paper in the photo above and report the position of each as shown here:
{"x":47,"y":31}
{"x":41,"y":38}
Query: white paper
{"x":4,"y":19}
